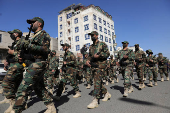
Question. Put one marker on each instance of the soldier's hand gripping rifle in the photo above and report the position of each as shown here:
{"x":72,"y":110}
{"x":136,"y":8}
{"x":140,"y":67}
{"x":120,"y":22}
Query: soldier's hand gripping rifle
{"x":122,"y":61}
{"x":24,"y":45}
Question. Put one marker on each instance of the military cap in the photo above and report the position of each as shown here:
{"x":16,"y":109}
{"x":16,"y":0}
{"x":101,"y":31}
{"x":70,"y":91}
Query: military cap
{"x":15,"y":31}
{"x":136,"y":44}
{"x":30,"y":21}
{"x":65,"y":45}
{"x":159,"y":53}
{"x":53,"y":51}
{"x":93,"y":33}
{"x":85,"y":53}
{"x":149,"y":51}
{"x":125,"y":42}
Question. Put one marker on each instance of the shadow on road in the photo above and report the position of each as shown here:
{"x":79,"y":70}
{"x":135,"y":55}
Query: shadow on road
{"x":116,"y":87}
{"x":135,"y":101}
{"x":134,"y":85}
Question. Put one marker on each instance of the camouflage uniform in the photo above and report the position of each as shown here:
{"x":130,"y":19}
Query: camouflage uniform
{"x":49,"y":74}
{"x":126,"y":65}
{"x":140,"y":59}
{"x":106,"y":71}
{"x":15,"y":71}
{"x":152,"y":70}
{"x":113,"y":69}
{"x":145,"y":70}
{"x":79,"y":69}
{"x":33,"y":79}
{"x":162,"y":65}
{"x":70,"y":74}
{"x":98,"y":72}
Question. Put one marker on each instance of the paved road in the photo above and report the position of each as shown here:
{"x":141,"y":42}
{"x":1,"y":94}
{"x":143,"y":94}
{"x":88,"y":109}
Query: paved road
{"x":149,"y":100}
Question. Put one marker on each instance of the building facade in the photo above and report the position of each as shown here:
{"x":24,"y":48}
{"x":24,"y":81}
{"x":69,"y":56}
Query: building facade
{"x":76,"y":21}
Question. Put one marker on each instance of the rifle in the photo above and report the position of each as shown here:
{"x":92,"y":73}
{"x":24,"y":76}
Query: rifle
{"x":24,"y":50}
{"x":122,"y":61}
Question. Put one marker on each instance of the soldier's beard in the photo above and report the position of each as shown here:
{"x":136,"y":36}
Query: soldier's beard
{"x":34,"y":28}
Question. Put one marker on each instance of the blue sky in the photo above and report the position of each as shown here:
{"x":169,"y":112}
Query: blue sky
{"x":146,"y":22}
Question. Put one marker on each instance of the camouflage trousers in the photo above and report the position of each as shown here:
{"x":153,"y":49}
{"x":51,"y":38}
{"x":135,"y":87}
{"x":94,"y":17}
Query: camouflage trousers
{"x":105,"y":74}
{"x":126,"y":73}
{"x":32,"y":80}
{"x":88,"y":75}
{"x":12,"y":80}
{"x":163,"y":71}
{"x":140,"y":73}
{"x":113,"y":73}
{"x":70,"y":75}
{"x":145,"y":71}
{"x":50,"y":80}
{"x":98,"y":84}
{"x":152,"y":73}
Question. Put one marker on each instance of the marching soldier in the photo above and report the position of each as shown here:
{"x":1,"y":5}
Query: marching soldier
{"x":126,"y":59}
{"x":139,"y":63}
{"x":98,"y":54}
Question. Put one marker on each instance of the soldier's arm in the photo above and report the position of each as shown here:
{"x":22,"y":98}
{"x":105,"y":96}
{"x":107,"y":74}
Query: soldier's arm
{"x":105,"y":52}
{"x":90,"y":54}
{"x":45,"y":45}
{"x":131,"y":57}
{"x":73,"y":59}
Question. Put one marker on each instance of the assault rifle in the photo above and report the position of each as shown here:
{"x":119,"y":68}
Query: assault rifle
{"x":122,"y":61}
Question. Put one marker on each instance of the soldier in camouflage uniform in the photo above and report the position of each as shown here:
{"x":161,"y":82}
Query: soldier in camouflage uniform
{"x":126,"y":59}
{"x":79,"y":69}
{"x":145,"y":71}
{"x":88,"y":74}
{"x":139,"y":64}
{"x":98,"y":54}
{"x":38,"y":47}
{"x":69,"y":61}
{"x":152,"y":70}
{"x":15,"y":71}
{"x":52,"y":68}
{"x":113,"y":70}
{"x":162,"y":64}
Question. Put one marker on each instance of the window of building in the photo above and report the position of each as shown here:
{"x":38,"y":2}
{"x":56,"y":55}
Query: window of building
{"x":109,"y":40}
{"x":60,"y":26}
{"x":61,"y":42}
{"x":100,"y":27}
{"x":95,"y":26}
{"x":114,"y":48}
{"x":108,"y":25}
{"x":88,"y":45}
{"x":100,"y":20}
{"x":114,"y":41}
{"x":77,"y":47}
{"x":86,"y":27}
{"x":113,"y":33}
{"x":101,"y":37}
{"x":61,"y":34}
{"x":106,"y":39}
{"x":87,"y":36}
{"x":68,"y":22}
{"x":85,"y":18}
{"x":105,"y":30}
{"x":69,"y":15}
{"x":111,"y":26}
{"x":94,"y":17}
{"x":0,"y":38}
{"x":108,"y":32}
{"x":104,"y":22}
{"x":76,"y":20}
{"x":110,"y":48}
{"x":60,"y":19}
{"x":77,"y":38}
{"x":76,"y":29}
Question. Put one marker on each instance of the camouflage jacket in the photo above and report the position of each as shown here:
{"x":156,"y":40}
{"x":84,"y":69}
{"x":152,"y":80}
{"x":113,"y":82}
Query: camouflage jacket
{"x":102,"y":49}
{"x":53,"y":64}
{"x":162,"y":62}
{"x":112,"y":63}
{"x":70,"y":59}
{"x":78,"y":65}
{"x":151,"y":64}
{"x":140,"y":57}
{"x":40,"y":44}
{"x":129,"y":61}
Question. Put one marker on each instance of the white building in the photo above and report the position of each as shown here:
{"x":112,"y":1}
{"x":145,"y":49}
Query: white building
{"x":76,"y":21}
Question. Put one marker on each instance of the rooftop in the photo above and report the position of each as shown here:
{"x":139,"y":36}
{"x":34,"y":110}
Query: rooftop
{"x":82,"y":8}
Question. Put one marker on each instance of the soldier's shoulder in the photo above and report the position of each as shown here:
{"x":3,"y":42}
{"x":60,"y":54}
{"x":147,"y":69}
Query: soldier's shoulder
{"x":46,"y":34}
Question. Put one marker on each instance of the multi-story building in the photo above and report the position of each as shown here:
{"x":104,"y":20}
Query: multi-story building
{"x":76,"y":21}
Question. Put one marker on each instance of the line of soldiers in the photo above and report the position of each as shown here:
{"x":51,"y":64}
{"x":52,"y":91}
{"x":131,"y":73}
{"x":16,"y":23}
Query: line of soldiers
{"x":41,"y":64}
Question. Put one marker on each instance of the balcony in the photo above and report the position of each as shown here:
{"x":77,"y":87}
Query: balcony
{"x":115,"y":44}
{"x":114,"y":36}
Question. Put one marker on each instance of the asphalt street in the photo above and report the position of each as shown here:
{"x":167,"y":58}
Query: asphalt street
{"x":149,"y":100}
